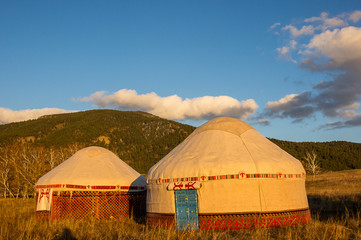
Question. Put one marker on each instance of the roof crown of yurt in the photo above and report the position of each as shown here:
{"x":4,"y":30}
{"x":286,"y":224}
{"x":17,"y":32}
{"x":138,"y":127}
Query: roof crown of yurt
{"x":226,"y":175}
{"x":93,"y":183}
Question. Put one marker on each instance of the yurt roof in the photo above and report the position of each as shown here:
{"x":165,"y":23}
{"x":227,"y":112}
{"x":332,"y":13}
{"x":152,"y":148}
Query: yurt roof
{"x":225,"y":146}
{"x":93,"y":166}
{"x":226,"y":124}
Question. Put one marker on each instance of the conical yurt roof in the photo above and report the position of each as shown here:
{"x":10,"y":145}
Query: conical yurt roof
{"x":93,"y":166}
{"x":225,"y":146}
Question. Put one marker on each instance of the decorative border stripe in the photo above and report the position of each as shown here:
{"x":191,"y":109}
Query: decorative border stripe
{"x":132,"y":188}
{"x":260,"y":220}
{"x":76,"y":186}
{"x":103,"y":187}
{"x":90,"y":187}
{"x":240,"y":175}
{"x":236,"y":221}
{"x":49,"y":186}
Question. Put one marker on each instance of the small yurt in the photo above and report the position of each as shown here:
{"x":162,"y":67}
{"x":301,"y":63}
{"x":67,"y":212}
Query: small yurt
{"x":226,"y":175}
{"x":93,"y":183}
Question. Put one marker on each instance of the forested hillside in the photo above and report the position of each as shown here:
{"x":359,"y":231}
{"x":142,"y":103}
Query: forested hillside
{"x":31,"y":148}
{"x":138,"y":138}
{"x":332,"y":156}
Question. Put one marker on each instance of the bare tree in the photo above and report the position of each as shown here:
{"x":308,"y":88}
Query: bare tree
{"x":312,"y":164}
{"x":31,"y":165}
{"x":22,"y":164}
{"x":52,"y":158}
{"x":5,"y":177}
{"x":74,"y":147}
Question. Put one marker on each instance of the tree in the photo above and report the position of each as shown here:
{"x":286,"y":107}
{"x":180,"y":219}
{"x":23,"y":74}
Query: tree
{"x":312,"y":164}
{"x":5,"y":177}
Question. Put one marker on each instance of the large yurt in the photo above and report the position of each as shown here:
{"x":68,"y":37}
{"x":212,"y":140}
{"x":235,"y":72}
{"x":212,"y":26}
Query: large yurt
{"x":93,"y":183}
{"x":226,"y":175}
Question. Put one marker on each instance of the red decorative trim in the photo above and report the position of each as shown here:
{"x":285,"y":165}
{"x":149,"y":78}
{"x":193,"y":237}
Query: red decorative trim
{"x":161,"y":220}
{"x":132,"y":188}
{"x":49,"y":186}
{"x":184,"y":185}
{"x":103,"y":187}
{"x":73,"y":186}
{"x":237,"y":221}
{"x":241,"y":175}
{"x":255,"y":220}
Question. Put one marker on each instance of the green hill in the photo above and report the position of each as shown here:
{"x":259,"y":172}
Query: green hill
{"x":138,"y":138}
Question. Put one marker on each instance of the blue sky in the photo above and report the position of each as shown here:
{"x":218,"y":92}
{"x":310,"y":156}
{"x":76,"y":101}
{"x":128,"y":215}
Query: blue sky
{"x":290,"y":69}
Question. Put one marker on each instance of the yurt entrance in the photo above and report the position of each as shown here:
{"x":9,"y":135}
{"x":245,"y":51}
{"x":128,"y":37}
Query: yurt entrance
{"x":186,"y":207}
{"x":186,"y":204}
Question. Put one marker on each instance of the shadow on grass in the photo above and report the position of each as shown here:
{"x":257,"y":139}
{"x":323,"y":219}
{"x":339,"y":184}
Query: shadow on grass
{"x":66,"y":235}
{"x":334,"y":206}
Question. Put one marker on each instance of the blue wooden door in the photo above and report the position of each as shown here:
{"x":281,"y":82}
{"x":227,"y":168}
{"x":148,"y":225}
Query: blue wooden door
{"x":186,"y":207}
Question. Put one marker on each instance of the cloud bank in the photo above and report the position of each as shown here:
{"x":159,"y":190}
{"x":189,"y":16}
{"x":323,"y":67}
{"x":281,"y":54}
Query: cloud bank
{"x":8,"y":115}
{"x":327,"y":45}
{"x":174,"y":107}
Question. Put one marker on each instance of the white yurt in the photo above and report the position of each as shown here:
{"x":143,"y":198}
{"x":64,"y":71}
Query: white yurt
{"x":226,"y":175}
{"x":93,"y":183}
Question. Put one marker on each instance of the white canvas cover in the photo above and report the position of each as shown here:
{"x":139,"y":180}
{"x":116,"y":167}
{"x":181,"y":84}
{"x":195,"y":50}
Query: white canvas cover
{"x":218,"y":152}
{"x":91,"y":167}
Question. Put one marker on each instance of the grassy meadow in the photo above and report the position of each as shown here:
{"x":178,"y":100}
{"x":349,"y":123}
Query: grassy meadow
{"x":334,"y":198}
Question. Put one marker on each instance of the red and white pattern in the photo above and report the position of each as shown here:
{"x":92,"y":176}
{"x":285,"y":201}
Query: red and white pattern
{"x":88,"y":187}
{"x":257,"y":220}
{"x":161,"y":220}
{"x":184,"y":186}
{"x":240,"y":175}
{"x":237,"y":221}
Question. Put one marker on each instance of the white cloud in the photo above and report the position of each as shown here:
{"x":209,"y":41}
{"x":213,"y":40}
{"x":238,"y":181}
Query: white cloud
{"x":341,"y":46}
{"x":282,"y":103}
{"x":285,"y":52}
{"x":355,"y":16}
{"x":323,"y":15}
{"x":331,"y":46}
{"x":274,"y":26}
{"x":328,"y":22}
{"x":296,"y":106}
{"x":8,"y":115}
{"x":305,"y":30}
{"x":174,"y":107}
{"x":293,"y":44}
{"x":349,"y":114}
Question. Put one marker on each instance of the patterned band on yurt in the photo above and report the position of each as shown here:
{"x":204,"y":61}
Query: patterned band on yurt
{"x":93,"y":183}
{"x":226,"y":175}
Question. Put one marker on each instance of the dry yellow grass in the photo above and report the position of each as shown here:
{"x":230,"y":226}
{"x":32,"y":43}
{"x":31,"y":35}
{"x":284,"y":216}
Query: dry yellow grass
{"x":17,"y":220}
{"x":346,"y":182}
{"x":335,"y":194}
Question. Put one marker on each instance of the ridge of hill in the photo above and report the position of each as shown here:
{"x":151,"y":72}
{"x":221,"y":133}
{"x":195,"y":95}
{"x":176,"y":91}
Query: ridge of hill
{"x":141,"y":139}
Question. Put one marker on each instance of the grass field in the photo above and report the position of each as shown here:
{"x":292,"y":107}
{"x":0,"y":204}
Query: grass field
{"x":334,"y":198}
